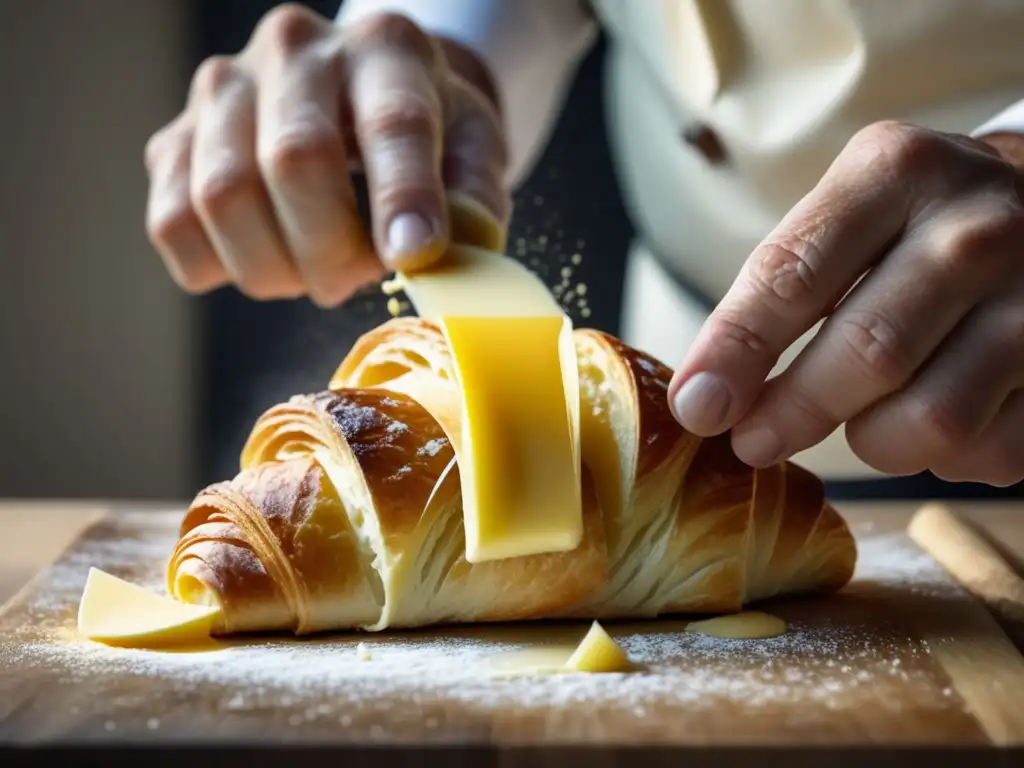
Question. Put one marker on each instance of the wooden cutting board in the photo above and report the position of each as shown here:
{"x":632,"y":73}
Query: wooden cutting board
{"x":902,"y":656}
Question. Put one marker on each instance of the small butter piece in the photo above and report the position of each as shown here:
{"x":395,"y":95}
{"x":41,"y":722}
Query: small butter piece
{"x":598,"y":652}
{"x":748,"y":625}
{"x":363,"y":652}
{"x":116,"y":612}
{"x":391,"y":287}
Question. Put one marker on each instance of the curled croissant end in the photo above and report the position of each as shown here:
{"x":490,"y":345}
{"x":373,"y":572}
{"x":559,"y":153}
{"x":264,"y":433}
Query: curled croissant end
{"x":347,"y":510}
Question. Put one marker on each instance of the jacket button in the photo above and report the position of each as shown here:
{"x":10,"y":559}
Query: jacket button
{"x":702,"y":138}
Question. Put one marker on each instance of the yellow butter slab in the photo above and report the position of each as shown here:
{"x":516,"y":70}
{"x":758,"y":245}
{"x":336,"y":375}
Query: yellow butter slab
{"x":598,"y":652}
{"x":116,"y":612}
{"x":515,"y":361}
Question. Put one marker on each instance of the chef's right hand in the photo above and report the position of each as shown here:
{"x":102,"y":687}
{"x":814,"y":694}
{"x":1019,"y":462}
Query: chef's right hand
{"x":251,"y":185}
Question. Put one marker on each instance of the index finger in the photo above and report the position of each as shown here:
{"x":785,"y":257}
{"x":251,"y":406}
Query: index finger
{"x":790,"y":281}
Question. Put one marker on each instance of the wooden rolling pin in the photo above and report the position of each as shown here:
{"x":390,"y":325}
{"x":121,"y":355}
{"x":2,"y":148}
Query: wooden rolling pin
{"x":971,"y":560}
{"x":987,"y":671}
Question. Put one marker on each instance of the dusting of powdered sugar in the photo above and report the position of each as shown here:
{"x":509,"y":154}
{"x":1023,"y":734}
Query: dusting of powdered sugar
{"x":433,"y":447}
{"x":65,"y":580}
{"x":458,"y":669}
{"x":837,"y":664}
{"x":893,"y":560}
{"x":360,"y":418}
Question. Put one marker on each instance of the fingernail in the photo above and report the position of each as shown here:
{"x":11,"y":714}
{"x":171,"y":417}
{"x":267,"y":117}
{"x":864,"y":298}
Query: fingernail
{"x":408,"y":234}
{"x":702,"y":404}
{"x":760,"y":447}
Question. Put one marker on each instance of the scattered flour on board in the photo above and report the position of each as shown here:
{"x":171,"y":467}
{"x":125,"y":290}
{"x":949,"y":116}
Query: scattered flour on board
{"x":813,"y":661}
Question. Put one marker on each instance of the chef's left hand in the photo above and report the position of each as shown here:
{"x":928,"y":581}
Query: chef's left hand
{"x":923,"y":360}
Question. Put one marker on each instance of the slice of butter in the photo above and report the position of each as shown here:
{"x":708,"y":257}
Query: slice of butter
{"x":116,"y":612}
{"x":748,"y":625}
{"x":515,"y":361}
{"x":598,"y":652}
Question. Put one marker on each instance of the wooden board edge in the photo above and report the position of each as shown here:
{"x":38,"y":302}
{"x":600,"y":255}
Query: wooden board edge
{"x":983,"y":664}
{"x":96,"y":520}
{"x":984,"y":667}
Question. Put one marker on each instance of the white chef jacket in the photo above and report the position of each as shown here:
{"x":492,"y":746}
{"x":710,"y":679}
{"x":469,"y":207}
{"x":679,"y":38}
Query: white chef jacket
{"x":782,"y":84}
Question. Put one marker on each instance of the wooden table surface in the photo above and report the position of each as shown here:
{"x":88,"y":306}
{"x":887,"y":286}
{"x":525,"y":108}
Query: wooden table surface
{"x":37,"y":531}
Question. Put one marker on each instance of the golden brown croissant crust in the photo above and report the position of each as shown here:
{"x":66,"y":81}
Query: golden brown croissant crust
{"x":347,"y":512}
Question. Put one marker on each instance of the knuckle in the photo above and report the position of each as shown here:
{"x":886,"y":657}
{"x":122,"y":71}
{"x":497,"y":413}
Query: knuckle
{"x":783,"y":273}
{"x":171,"y":224}
{"x":394,"y":30}
{"x":289,"y":28}
{"x":990,"y":238}
{"x":907,"y":147}
{"x":219,"y":191}
{"x":941,"y":424}
{"x":213,"y":74}
{"x":960,"y":244}
{"x":193,"y":268}
{"x":294,"y":154}
{"x":731,"y":330}
{"x":196,"y":281}
{"x":168,"y":153}
{"x":876,"y":348}
{"x":882,"y":132}
{"x":401,"y":117}
{"x":866,"y":154}
{"x":327,"y":301}
{"x":259,"y":290}
{"x":328,"y":296}
{"x":269,"y":285}
{"x":157,"y":146}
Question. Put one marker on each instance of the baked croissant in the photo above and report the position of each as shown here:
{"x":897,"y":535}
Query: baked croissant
{"x":347,"y":513}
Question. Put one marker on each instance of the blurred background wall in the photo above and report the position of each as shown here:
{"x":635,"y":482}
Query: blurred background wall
{"x":97,"y":347}
{"x":114,"y":384}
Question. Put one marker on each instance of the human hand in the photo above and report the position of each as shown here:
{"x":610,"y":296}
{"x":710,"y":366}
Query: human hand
{"x":923,"y":360}
{"x":251,"y":185}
